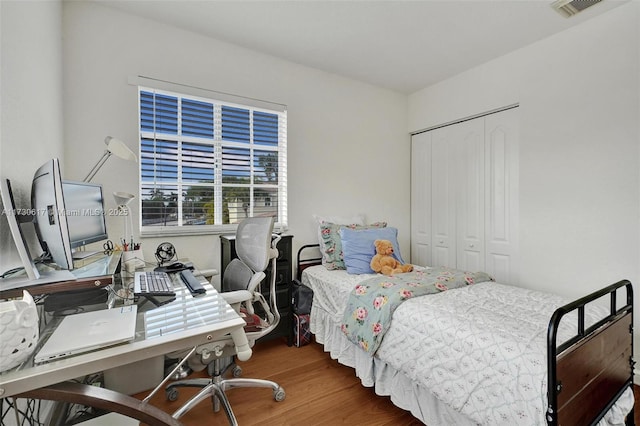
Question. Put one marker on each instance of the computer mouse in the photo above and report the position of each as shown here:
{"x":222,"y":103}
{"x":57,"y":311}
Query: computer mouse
{"x":175,"y":266}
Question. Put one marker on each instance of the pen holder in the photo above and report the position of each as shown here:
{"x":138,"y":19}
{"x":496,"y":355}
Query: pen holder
{"x":132,"y":260}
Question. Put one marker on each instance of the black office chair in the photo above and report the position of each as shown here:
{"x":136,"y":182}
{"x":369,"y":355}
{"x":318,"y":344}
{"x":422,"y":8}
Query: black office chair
{"x":255,"y":247}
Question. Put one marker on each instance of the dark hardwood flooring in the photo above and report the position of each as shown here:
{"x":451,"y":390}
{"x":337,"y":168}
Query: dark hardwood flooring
{"x":320,"y":391}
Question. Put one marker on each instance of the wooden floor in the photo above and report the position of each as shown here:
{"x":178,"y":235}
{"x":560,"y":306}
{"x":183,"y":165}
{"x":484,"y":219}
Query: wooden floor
{"x":319,"y":392}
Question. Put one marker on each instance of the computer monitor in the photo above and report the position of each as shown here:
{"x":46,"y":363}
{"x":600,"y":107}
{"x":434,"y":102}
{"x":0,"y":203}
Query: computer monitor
{"x":18,"y":217}
{"x":85,"y":214}
{"x":48,"y":204}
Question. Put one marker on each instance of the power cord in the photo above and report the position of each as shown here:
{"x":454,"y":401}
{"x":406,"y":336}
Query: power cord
{"x":40,"y":259}
{"x":125,"y":293}
{"x":30,"y":415}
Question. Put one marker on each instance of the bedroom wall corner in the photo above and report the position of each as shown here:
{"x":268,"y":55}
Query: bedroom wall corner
{"x":31,"y":128}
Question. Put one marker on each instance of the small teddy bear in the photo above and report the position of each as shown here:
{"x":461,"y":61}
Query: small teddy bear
{"x":384,"y":261}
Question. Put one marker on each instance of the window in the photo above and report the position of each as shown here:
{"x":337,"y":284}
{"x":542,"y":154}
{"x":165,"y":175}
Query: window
{"x":207,"y":164}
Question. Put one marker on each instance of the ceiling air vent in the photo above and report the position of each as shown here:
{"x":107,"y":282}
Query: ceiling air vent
{"x":569,"y":8}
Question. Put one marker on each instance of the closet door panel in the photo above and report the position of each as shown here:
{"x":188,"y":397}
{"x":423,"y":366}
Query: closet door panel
{"x":421,"y":199}
{"x":443,"y":200}
{"x":465,"y":205}
{"x":501,"y":176}
{"x":470,"y":207}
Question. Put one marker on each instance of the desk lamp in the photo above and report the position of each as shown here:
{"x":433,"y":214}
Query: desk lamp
{"x":131,"y":257}
{"x":114,"y":146}
{"x":122,"y":201}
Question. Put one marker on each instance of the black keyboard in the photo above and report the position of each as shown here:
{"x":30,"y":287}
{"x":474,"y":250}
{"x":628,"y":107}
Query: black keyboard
{"x":153,"y":284}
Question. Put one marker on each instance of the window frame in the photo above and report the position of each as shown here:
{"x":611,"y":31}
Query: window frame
{"x":218,"y":144}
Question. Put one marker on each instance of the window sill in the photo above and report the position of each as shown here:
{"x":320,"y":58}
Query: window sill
{"x":186,"y":231}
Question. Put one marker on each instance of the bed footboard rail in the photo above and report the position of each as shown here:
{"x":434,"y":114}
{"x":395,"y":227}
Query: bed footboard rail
{"x":590,"y":371}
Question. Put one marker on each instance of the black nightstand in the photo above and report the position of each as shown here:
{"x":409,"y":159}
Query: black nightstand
{"x":283,"y":281}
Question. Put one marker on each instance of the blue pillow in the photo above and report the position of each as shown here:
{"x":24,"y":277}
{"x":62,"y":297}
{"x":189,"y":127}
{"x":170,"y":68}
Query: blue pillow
{"x":358,"y":248}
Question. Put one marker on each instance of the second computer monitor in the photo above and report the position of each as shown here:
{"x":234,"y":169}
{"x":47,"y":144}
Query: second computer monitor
{"x":85,"y":213}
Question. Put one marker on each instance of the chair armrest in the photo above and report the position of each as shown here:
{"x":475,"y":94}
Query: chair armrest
{"x":208,"y":273}
{"x":238,"y":296}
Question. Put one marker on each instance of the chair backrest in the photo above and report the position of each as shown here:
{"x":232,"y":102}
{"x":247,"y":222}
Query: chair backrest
{"x":237,"y":276}
{"x":253,"y":242}
{"x":254,"y":250}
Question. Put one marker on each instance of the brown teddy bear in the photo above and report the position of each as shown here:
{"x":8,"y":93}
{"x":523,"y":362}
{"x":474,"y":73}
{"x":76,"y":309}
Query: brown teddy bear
{"x":384,"y":261}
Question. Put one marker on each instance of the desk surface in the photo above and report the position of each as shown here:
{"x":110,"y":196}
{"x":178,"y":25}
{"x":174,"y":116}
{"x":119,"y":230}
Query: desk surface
{"x":186,"y":322}
{"x":99,"y":273}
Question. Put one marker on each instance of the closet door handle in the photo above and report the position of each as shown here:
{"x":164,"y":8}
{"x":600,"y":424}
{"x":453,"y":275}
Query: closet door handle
{"x":470,"y":245}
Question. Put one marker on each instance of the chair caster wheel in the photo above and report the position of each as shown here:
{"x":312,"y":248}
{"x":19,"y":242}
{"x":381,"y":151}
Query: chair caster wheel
{"x":237,"y":371}
{"x":172,"y":394}
{"x":279,"y":395}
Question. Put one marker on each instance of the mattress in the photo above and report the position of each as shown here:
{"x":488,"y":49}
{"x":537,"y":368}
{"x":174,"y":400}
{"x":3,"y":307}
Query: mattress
{"x":475,"y":355}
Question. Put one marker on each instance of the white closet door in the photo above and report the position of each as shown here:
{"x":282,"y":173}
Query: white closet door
{"x":468,"y":137}
{"x":443,"y":199}
{"x":421,"y":199}
{"x":501,"y":177}
{"x":464,"y":196}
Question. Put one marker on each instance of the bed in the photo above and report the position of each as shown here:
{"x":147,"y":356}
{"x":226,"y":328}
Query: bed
{"x":487,"y":353}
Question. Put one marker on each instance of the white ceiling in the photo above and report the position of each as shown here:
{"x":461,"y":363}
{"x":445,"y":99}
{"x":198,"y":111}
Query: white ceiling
{"x":400,"y":45}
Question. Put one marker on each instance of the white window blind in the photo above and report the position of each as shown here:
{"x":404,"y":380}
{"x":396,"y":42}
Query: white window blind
{"x":207,"y":164}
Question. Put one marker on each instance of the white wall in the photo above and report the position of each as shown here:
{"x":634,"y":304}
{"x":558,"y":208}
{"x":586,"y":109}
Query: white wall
{"x":579,"y":138}
{"x":348,"y":144}
{"x":578,"y":93}
{"x":31,"y":124}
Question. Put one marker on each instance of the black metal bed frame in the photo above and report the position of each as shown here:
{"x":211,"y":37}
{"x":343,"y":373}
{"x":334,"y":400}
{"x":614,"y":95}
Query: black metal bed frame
{"x":592,"y":383}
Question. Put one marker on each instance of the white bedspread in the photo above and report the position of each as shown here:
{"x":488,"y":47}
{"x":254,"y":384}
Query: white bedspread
{"x":475,"y":355}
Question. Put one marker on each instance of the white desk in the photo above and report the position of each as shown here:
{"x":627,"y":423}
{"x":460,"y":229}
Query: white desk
{"x":181,"y":324}
{"x":99,"y":273}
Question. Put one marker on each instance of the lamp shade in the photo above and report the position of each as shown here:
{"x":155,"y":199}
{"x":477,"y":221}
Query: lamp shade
{"x":123,"y":198}
{"x":119,"y":149}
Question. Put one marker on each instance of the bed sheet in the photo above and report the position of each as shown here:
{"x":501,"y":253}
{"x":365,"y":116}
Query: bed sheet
{"x":475,"y":355}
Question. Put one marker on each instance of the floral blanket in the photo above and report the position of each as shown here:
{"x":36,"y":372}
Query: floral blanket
{"x":371,"y":304}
